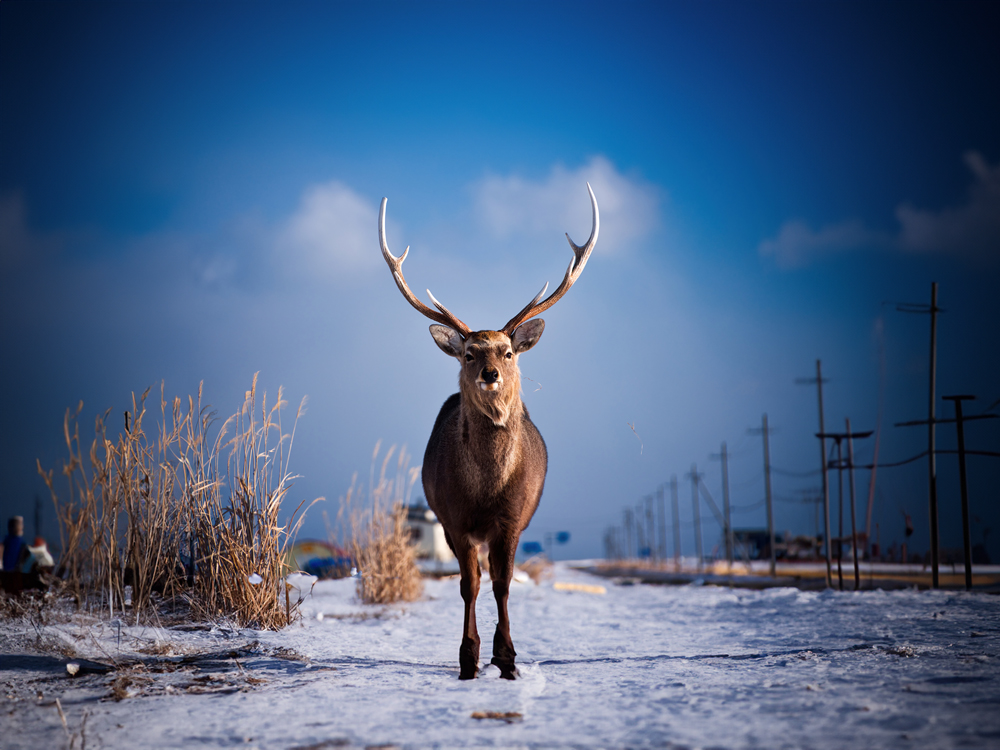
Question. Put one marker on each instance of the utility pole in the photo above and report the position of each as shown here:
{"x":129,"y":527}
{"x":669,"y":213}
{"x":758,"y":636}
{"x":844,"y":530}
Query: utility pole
{"x":840,"y":465}
{"x":651,"y":533}
{"x":711,"y":504}
{"x":662,"y":525}
{"x":840,"y":524}
{"x":959,"y":424}
{"x":640,"y":531}
{"x":822,"y":462}
{"x":932,"y":503}
{"x":763,"y":430}
{"x":676,"y":518}
{"x":727,"y":526}
{"x":767,"y":488}
{"x":627,"y":523}
{"x":931,"y":441}
{"x":697,"y":515}
{"x":854,"y":524}
{"x":959,"y":421}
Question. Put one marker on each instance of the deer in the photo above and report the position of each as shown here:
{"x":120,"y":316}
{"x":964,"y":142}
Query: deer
{"x":485,"y":462}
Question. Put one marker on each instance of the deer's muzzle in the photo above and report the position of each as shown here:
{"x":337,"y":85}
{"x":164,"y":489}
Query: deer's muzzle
{"x":489,"y":379}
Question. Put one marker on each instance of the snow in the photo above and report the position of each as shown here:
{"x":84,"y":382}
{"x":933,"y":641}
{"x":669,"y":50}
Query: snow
{"x":638,"y":666}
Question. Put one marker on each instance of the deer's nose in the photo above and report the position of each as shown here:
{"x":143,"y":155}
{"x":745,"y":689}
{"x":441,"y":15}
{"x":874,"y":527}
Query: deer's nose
{"x":491,"y":375}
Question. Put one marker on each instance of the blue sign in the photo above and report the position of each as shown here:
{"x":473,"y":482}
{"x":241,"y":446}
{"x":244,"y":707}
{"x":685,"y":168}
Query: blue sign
{"x":531,"y":548}
{"x":562,"y":537}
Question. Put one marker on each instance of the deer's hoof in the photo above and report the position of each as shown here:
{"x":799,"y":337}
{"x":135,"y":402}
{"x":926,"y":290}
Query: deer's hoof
{"x":468,"y":659}
{"x":507,"y":669}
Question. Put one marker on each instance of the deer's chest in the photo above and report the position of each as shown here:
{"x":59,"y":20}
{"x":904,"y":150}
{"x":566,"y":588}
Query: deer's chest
{"x":489,"y":467}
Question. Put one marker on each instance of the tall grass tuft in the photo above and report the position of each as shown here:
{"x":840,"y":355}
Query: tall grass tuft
{"x":179,"y":514}
{"x":378,"y":536}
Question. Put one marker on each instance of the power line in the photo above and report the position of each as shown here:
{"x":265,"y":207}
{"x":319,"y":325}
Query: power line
{"x":747,"y":508}
{"x":787,"y":473}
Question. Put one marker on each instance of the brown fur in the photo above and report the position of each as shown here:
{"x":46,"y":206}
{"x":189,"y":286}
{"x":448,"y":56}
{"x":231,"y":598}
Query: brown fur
{"x":483,"y":474}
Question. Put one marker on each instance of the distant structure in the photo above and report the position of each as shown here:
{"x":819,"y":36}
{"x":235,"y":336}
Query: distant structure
{"x":755,"y":544}
{"x":427,"y":534}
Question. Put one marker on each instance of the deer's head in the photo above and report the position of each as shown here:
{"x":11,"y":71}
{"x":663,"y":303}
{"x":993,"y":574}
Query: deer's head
{"x":490,"y":379}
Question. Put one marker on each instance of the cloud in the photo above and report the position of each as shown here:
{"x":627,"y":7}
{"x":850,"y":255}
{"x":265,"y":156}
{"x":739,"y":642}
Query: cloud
{"x":970,"y":230}
{"x":517,"y":208}
{"x":18,"y":243}
{"x":797,"y":244}
{"x":331,"y":232}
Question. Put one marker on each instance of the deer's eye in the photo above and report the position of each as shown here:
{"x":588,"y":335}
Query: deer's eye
{"x":468,"y":357}
{"x":509,"y":355}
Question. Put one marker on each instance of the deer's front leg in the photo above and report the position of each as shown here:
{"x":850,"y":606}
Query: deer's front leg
{"x":468,"y":653}
{"x":501,"y":570}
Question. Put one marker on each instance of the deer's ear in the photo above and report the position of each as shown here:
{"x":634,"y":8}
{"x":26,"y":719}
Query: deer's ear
{"x":527,"y":334}
{"x":447,"y":340}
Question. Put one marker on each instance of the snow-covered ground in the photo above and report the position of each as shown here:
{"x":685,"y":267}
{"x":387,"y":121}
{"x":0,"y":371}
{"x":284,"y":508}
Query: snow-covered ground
{"x":639,"y":666}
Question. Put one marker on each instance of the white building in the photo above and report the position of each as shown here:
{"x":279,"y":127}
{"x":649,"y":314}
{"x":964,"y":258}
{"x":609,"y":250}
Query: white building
{"x":427,"y":534}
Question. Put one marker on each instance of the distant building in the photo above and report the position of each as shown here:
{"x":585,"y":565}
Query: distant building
{"x":427,"y":534}
{"x":755,"y":544}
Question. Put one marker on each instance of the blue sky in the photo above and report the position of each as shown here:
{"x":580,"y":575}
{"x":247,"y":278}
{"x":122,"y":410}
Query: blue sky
{"x":188,"y":192}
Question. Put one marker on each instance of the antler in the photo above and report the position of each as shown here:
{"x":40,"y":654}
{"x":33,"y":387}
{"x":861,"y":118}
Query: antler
{"x":396,"y":266}
{"x":580,"y":256}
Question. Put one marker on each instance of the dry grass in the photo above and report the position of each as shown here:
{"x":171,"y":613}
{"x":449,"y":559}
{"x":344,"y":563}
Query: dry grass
{"x":539,"y":568}
{"x":378,"y":536}
{"x":387,"y":568}
{"x":179,"y":514}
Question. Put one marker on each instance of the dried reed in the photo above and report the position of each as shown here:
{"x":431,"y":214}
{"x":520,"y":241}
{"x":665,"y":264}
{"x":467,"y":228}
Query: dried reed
{"x":378,"y":536}
{"x":182,"y":513}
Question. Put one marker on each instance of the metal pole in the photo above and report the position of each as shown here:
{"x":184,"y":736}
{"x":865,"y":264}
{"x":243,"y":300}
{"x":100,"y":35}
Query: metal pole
{"x":725,"y":505}
{"x":931,"y":461}
{"x":966,"y":538}
{"x":697,"y":514}
{"x":676,"y":518}
{"x":854,"y":527}
{"x":767,"y":489}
